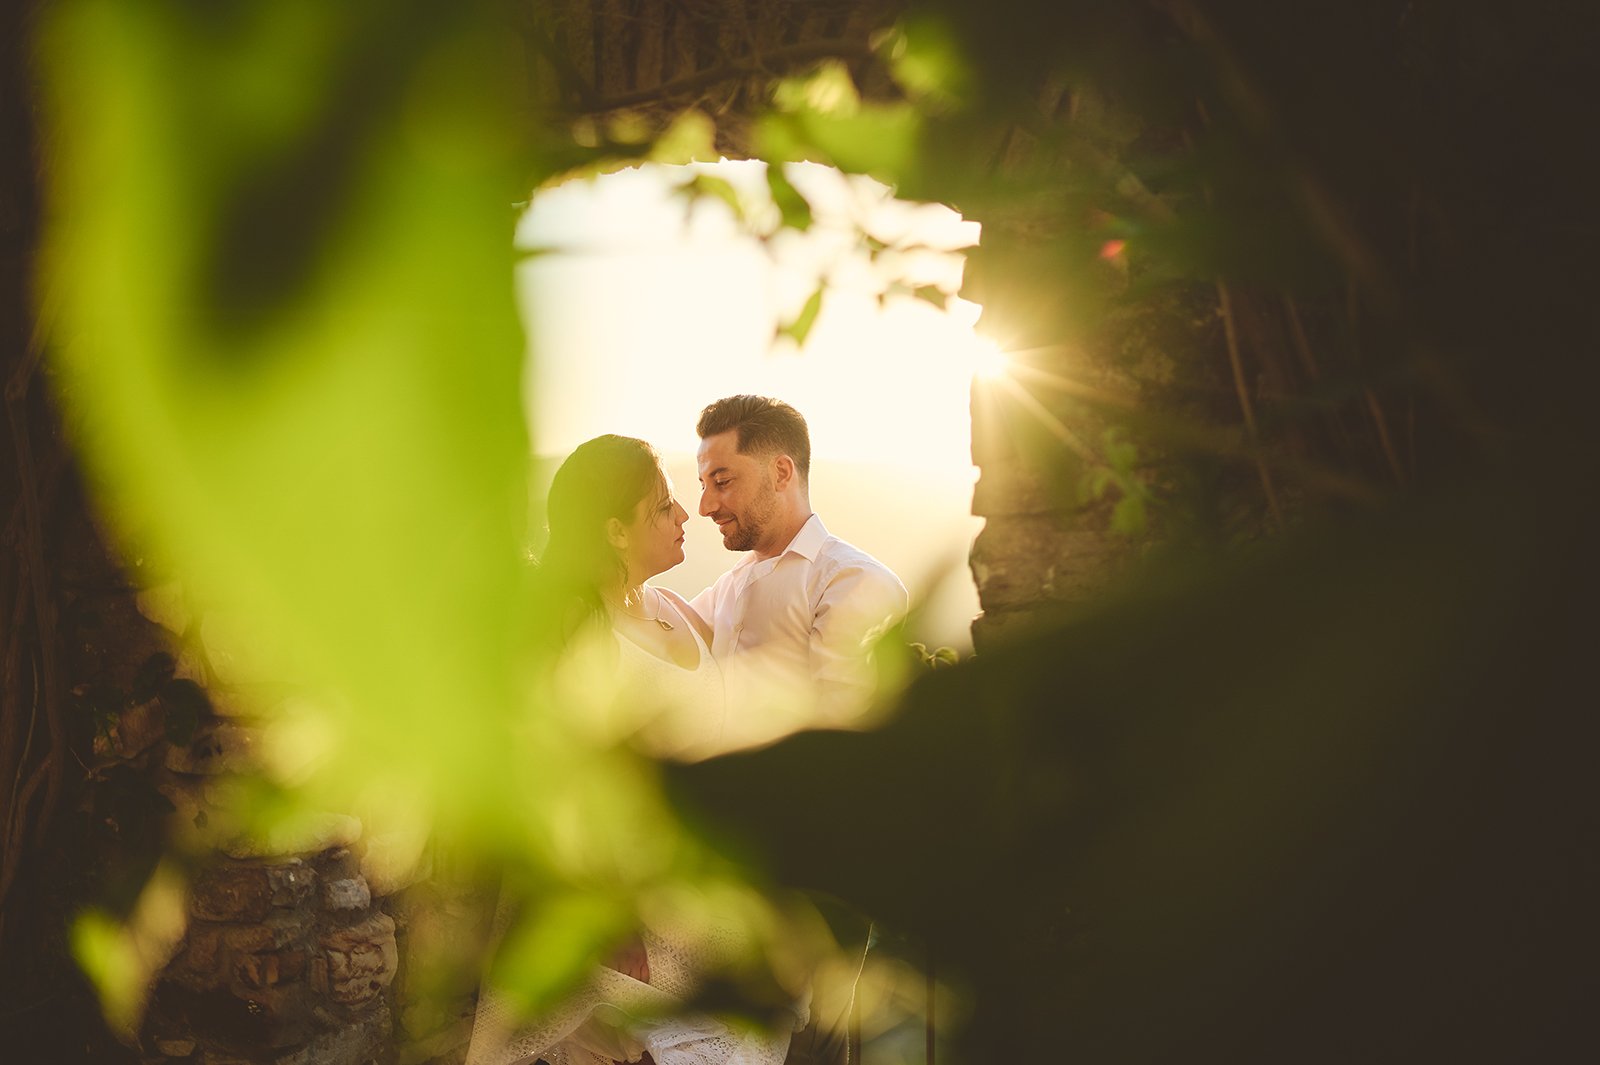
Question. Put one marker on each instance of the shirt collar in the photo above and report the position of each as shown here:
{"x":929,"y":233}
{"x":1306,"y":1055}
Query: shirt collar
{"x":808,"y":541}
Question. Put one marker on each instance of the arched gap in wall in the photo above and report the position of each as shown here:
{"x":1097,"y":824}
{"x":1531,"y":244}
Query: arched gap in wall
{"x":649,"y":292}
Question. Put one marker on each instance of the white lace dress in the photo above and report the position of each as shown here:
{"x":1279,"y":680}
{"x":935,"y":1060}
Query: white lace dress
{"x":612,"y":1016}
{"x":683,"y":711}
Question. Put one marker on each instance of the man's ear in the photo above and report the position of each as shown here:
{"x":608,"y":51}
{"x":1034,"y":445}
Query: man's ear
{"x":616,"y":534}
{"x":782,"y":471}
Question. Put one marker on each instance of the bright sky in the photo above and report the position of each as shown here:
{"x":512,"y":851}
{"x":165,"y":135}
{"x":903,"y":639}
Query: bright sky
{"x":654,"y":305}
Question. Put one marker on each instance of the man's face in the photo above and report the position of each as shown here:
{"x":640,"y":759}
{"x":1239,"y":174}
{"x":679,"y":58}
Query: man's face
{"x":736,"y":492}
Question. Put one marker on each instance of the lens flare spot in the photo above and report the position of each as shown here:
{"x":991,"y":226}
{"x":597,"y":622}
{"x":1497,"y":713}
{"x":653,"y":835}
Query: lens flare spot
{"x":989,"y":363}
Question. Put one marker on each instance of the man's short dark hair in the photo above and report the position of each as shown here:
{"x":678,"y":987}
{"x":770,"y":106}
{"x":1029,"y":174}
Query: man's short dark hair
{"x":765,"y":426}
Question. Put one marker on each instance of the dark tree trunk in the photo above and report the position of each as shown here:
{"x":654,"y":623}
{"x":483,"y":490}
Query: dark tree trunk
{"x":70,"y":644}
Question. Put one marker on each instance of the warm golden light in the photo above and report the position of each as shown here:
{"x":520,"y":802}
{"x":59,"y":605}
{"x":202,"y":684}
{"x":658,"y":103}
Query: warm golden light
{"x":989,"y":363}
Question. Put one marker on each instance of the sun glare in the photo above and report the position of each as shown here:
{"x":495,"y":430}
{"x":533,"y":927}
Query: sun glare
{"x":989,"y":363}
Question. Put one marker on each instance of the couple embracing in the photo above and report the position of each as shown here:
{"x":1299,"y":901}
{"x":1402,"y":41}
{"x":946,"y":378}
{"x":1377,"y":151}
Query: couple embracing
{"x":779,"y":642}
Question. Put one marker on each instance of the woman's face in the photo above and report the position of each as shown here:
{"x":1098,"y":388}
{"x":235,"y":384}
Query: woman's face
{"x":655,"y":533}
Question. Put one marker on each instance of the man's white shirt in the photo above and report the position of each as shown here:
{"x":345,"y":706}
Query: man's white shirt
{"x":794,"y":628}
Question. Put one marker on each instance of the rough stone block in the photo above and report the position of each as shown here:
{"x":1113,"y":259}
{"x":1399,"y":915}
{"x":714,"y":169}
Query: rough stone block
{"x":1010,"y":488}
{"x":354,"y":1044}
{"x":138,"y":728}
{"x":1025,"y":562}
{"x":217,"y":747}
{"x":240,"y":1020}
{"x":232,"y":892}
{"x":1013,"y":561}
{"x":175,"y":1048}
{"x":361,"y":960}
{"x":198,"y":965}
{"x":255,"y":972}
{"x":318,"y":974}
{"x":292,"y":882}
{"x":338,"y":864}
{"x":349,"y":893}
{"x":165,"y":605}
{"x":277,"y":931}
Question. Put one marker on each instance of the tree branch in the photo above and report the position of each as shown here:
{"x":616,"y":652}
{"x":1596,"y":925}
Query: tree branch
{"x":1230,"y":330}
{"x":753,"y":65}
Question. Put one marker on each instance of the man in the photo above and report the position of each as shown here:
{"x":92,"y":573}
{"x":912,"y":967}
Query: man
{"x":797,"y":613}
{"x":792,"y":622}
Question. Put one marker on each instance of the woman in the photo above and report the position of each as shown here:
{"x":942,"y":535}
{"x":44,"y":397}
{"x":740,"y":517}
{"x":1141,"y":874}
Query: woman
{"x":614,"y":524}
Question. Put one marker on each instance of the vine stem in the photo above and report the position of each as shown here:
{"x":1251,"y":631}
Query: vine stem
{"x":1379,"y":419}
{"x":17,"y":390}
{"x":1236,"y":362}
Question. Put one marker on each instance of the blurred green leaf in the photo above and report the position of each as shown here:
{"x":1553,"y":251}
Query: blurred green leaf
{"x":341,"y":464}
{"x":800,"y":328}
{"x":827,"y":90}
{"x":1128,"y":516}
{"x":880,"y":139}
{"x":690,"y":138}
{"x":552,"y":945}
{"x":927,"y":59}
{"x":717,"y":188}
{"x":794,"y":208}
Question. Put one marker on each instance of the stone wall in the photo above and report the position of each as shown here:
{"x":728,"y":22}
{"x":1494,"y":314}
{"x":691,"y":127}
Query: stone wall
{"x":291,"y":954}
{"x":286,"y":960}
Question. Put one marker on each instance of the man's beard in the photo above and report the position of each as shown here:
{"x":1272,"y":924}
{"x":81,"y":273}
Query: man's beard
{"x":743,"y":539}
{"x":748,"y":529}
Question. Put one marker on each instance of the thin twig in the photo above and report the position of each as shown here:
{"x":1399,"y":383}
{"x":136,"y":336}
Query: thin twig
{"x":1302,"y":346}
{"x":15,"y":767}
{"x":1236,"y":362}
{"x":1379,"y":419}
{"x":17,"y":389}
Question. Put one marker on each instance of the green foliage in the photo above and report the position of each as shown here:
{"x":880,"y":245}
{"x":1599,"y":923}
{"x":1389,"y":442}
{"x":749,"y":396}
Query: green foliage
{"x":938,"y":658}
{"x":928,"y":62}
{"x":288,"y":353}
{"x":561,"y":937}
{"x":1119,"y":472}
{"x":1241,"y":802}
{"x":690,"y":138}
{"x":716,"y":188}
{"x":800,"y":328}
{"x":793,"y":208}
{"x":821,"y":119}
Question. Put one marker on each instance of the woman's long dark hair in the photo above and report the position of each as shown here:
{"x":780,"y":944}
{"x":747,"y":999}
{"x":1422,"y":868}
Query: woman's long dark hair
{"x":604,"y":478}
